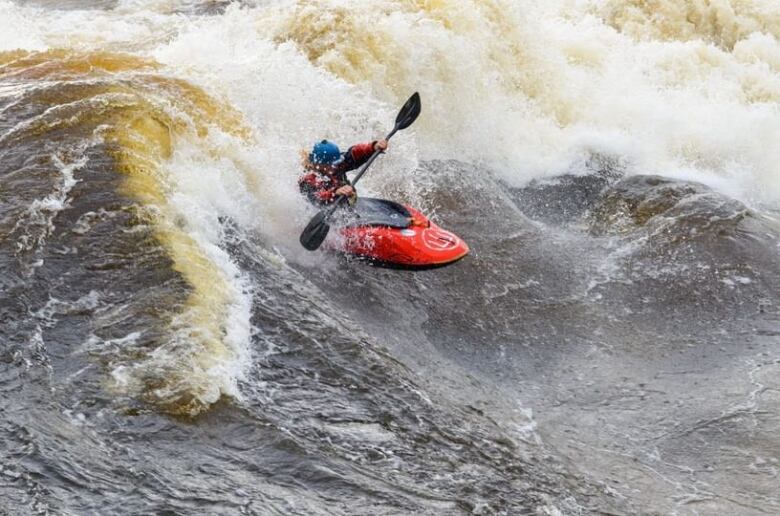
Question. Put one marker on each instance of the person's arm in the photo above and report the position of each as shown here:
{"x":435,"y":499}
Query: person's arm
{"x":358,"y":154}
{"x":315,"y":189}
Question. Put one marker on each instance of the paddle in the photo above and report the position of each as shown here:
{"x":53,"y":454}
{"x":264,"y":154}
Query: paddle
{"x":317,"y":228}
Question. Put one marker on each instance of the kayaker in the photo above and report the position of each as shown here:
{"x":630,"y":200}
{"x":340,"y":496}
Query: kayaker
{"x":326,"y":167}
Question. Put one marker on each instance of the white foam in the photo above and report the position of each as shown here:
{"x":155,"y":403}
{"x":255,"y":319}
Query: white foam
{"x":531,"y":87}
{"x":204,"y":190}
{"x":16,"y":31}
{"x":527,"y":87}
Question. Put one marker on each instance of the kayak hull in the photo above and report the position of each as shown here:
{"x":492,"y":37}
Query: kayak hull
{"x":417,"y":243}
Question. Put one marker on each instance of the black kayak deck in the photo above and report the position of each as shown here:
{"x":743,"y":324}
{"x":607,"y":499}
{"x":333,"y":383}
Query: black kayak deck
{"x":368,"y":211}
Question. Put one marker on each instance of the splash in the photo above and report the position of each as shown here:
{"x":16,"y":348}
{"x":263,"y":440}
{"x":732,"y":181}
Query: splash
{"x":723,"y":23}
{"x":534,"y":89}
{"x":530,"y":89}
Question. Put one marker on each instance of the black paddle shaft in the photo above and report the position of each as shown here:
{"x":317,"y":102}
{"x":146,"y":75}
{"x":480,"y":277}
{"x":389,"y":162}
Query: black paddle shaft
{"x":406,"y":116}
{"x":360,"y":173}
{"x":317,"y":228}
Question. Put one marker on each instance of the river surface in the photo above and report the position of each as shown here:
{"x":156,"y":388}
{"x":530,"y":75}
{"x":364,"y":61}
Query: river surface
{"x":610,"y":346}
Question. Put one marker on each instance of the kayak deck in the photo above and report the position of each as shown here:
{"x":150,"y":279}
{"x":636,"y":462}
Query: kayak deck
{"x":392,"y":235}
{"x":368,"y":211}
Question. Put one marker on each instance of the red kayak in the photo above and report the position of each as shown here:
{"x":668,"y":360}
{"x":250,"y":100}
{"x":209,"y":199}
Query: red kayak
{"x":390,"y":234}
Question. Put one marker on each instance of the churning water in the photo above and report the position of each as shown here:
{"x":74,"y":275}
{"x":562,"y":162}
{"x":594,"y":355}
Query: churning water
{"x":611,"y":345}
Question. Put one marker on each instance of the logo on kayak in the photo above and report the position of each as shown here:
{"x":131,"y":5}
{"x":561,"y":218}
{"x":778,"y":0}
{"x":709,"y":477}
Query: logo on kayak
{"x":438,"y":239}
{"x":408,"y":232}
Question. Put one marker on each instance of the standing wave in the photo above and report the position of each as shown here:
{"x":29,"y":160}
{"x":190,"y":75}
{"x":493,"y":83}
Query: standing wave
{"x":125,"y":109}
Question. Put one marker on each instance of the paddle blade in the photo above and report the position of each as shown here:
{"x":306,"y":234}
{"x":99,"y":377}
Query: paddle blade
{"x":315,"y":232}
{"x":409,"y":112}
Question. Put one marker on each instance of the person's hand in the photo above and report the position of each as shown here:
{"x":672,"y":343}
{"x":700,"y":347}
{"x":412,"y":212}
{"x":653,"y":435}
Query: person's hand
{"x":346,"y":191}
{"x":380,"y":145}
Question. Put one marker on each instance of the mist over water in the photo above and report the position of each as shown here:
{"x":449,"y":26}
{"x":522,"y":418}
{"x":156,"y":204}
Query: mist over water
{"x":610,"y":345}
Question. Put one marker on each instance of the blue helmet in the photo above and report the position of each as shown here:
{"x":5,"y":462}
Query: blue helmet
{"x":324,"y":153}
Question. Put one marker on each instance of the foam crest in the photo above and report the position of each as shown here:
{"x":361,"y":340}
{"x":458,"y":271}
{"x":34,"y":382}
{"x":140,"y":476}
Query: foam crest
{"x":534,"y":88}
{"x":718,"y":21}
{"x":529,"y":88}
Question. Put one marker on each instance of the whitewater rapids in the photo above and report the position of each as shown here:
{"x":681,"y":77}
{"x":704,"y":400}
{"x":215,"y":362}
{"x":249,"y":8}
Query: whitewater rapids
{"x":609,"y":347}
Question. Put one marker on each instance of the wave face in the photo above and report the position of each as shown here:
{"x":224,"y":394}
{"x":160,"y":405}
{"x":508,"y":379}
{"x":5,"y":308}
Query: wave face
{"x":609,"y":347}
